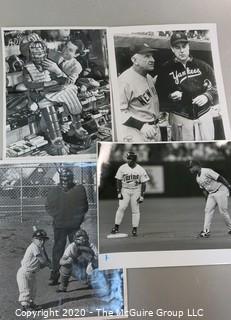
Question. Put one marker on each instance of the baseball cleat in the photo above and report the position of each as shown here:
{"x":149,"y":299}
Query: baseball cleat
{"x":35,"y":306}
{"x":54,"y":278}
{"x":204,"y":234}
{"x":61,"y":290}
{"x":53,"y":282}
{"x":27,"y":308}
{"x":31,"y":306}
{"x":134,"y":232}
{"x":114,"y":230}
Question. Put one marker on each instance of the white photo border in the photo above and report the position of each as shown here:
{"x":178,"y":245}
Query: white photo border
{"x":52,"y":160}
{"x":164,"y":258}
{"x":72,"y":157}
{"x":211,"y":27}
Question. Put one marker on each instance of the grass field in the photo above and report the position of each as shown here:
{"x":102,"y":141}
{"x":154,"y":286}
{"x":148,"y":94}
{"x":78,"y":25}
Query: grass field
{"x":165,"y":224}
{"x":15,"y":237}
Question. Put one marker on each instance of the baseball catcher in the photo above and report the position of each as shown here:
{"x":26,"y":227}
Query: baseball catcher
{"x":52,"y":91}
{"x":78,"y":260}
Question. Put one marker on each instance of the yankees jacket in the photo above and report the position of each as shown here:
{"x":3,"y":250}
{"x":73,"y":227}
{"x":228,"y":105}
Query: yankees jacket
{"x":195,"y":79}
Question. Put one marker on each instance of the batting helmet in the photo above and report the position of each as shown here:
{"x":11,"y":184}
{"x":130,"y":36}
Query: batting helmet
{"x":131,"y":156}
{"x":192,"y":163}
{"x":40,"y":234}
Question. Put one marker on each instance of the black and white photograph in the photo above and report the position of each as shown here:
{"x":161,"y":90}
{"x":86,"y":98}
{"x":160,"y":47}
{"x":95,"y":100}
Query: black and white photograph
{"x":57,"y":95}
{"x":49,"y":251}
{"x":167,"y":84}
{"x":164,"y":204}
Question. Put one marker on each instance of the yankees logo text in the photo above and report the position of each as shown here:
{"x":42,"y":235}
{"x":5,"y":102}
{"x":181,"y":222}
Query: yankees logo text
{"x":179,"y":77}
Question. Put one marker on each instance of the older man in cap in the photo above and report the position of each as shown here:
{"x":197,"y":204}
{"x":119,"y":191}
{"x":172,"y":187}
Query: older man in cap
{"x":139,"y":102}
{"x":186,"y":88}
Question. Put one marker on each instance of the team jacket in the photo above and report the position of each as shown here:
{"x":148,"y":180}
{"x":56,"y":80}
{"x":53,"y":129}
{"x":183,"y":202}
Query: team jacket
{"x":196,"y":79}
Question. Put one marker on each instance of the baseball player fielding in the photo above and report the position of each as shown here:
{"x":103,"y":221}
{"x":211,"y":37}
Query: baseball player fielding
{"x":216,"y":190}
{"x":131,"y":184}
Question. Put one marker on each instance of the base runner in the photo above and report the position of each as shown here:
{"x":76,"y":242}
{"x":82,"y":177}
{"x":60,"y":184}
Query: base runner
{"x":131,"y":185}
{"x":216,"y":190}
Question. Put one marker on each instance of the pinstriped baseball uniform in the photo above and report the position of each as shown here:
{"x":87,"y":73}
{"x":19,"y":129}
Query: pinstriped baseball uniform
{"x":218,"y":195}
{"x":131,"y":188}
{"x":139,"y":100}
{"x":26,"y":275}
{"x":66,"y":94}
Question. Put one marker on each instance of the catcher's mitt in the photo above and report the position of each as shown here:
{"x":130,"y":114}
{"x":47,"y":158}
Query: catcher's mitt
{"x":85,"y":255}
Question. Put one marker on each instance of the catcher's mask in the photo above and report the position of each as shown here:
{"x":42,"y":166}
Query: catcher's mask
{"x":40,"y":234}
{"x":131,"y":156}
{"x":66,"y":178}
{"x":37,"y":52}
{"x":81,"y":237}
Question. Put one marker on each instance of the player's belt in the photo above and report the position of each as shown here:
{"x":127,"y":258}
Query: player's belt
{"x":153,"y":122}
{"x":138,"y":124}
{"x":130,"y":188}
{"x":215,"y":190}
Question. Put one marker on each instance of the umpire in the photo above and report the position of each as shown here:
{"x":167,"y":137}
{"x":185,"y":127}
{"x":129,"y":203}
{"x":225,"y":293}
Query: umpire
{"x":67,"y":204}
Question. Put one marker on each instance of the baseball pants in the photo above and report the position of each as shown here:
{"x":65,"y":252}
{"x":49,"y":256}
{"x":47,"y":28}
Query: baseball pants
{"x":134,"y":135}
{"x":60,"y":240}
{"x":129,"y":196}
{"x":220,"y":199}
{"x":27,"y":286}
{"x":192,"y":130}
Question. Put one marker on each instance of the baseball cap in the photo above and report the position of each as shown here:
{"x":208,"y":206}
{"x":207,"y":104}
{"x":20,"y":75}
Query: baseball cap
{"x":178,"y":37}
{"x":40,"y":234}
{"x":193,"y":163}
{"x":131,"y":156}
{"x":142,"y":49}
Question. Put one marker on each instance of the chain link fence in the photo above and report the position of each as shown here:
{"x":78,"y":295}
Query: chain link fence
{"x":23,"y":188}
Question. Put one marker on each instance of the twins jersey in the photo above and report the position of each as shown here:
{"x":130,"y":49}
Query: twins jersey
{"x":208,"y":180}
{"x":138,"y":97}
{"x":30,"y":261}
{"x":131,"y":177}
